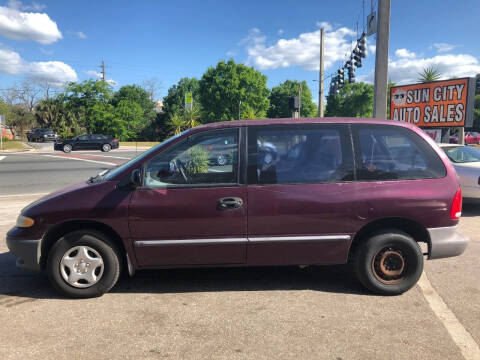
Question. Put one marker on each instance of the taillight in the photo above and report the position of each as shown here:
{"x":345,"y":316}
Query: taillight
{"x":456,"y":210}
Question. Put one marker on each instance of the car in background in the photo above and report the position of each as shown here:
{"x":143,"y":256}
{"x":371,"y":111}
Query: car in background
{"x":220,"y":150}
{"x":470,"y":138}
{"x":41,"y":135}
{"x":87,"y":142}
{"x":466,"y":161}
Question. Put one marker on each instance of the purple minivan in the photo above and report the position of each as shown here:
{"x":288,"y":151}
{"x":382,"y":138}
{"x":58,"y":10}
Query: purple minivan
{"x":293,"y":192}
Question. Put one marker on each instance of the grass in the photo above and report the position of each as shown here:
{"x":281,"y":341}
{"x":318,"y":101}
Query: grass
{"x":139,"y":143}
{"x":13,"y":145}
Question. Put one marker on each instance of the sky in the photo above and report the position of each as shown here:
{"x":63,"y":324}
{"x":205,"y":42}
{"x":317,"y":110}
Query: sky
{"x":60,"y":41}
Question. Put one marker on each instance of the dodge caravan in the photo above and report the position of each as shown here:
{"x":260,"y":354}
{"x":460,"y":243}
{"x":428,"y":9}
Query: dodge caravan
{"x":293,"y":192}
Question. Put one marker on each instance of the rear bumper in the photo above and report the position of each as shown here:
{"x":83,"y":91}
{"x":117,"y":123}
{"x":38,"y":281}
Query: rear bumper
{"x":446,"y":242}
{"x":115,"y":145}
{"x":27,"y":253}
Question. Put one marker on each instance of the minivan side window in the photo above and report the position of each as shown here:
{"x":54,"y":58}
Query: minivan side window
{"x":394,"y":153}
{"x":208,"y":158}
{"x":299,"y":154}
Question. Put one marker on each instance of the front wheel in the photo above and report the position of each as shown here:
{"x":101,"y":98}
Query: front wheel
{"x":67,"y":148}
{"x":106,"y":147}
{"x":389,"y":262}
{"x":83,"y":264}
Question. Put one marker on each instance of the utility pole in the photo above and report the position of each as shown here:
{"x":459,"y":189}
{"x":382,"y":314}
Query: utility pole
{"x":103,"y":70}
{"x":381,"y":60}
{"x":321,"y":75}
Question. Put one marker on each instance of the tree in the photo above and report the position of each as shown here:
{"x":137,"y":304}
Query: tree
{"x":152,"y":86}
{"x":191,"y":117}
{"x":19,"y":118}
{"x":279,"y":107}
{"x":223,"y":87}
{"x":353,"y":100}
{"x":176,"y":123}
{"x":174,"y":102}
{"x":429,"y":74}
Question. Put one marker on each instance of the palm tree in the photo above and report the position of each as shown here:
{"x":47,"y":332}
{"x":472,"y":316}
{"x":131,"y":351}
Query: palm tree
{"x":429,"y":74}
{"x":190,"y":117}
{"x":177,"y":123}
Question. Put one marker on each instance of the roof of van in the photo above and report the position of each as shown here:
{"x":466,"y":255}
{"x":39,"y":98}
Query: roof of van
{"x":328,"y":120}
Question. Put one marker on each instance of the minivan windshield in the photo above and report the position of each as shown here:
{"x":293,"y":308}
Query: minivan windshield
{"x":462,"y":154}
{"x":110,"y":174}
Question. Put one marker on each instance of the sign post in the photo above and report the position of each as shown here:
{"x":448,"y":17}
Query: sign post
{"x":2,"y":124}
{"x":188,"y":101}
{"x":446,"y":103}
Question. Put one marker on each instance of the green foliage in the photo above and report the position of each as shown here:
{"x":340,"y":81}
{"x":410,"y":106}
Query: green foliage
{"x":279,"y":100}
{"x":136,"y":94}
{"x":197,"y":160}
{"x":191,"y":117}
{"x":429,"y":74}
{"x":19,"y":118}
{"x":174,"y":102}
{"x":223,"y":87}
{"x":55,"y":114}
{"x":176,"y":123}
{"x":353,"y":100}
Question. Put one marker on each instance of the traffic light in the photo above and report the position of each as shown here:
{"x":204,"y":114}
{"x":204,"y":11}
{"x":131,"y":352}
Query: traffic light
{"x":341,"y":78}
{"x":351,"y":75}
{"x":362,"y":46}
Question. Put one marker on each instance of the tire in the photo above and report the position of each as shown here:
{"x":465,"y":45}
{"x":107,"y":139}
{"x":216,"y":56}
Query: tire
{"x":390,"y":262}
{"x":67,"y":148}
{"x":91,"y":257}
{"x":106,"y":147}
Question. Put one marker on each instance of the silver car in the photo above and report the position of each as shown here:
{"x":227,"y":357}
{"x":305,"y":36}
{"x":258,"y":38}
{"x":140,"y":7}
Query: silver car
{"x":466,"y":160}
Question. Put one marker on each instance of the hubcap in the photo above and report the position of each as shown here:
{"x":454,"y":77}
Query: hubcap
{"x":221,"y":160}
{"x":388,"y":265}
{"x":106,"y":147}
{"x":81,"y":266}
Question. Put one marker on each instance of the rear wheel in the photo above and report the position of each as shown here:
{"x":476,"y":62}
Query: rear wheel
{"x":83,"y":264}
{"x":106,"y":147}
{"x":389,"y":262}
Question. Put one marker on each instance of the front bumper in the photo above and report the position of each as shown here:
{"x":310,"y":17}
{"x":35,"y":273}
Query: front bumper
{"x":446,"y":242}
{"x":27,"y":252}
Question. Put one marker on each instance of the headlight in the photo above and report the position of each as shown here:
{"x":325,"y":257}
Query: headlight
{"x":24,"y":222}
{"x":45,"y":135}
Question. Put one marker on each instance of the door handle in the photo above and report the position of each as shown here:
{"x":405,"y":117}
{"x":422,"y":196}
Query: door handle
{"x":227,"y":203}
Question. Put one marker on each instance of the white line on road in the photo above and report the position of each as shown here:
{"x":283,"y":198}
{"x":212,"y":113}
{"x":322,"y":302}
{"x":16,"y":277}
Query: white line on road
{"x":459,"y":334}
{"x":16,"y":195}
{"x":109,"y":156}
{"x":2,"y":157}
{"x":71,"y":158}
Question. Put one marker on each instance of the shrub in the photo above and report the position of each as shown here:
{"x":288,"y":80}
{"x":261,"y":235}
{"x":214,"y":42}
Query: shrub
{"x":198,"y":160}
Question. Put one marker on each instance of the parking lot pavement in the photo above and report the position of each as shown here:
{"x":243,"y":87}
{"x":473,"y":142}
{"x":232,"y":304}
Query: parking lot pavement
{"x":239,"y":313}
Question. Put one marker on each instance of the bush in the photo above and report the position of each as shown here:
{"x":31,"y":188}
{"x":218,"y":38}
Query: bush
{"x":198,"y":160}
{"x":4,"y":139}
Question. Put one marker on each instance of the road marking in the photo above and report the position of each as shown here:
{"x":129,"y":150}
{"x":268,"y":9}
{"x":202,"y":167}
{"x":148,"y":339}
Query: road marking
{"x":14,"y":195}
{"x":72,"y":158}
{"x":2,"y":157}
{"x":458,"y":333}
{"x":109,"y":156}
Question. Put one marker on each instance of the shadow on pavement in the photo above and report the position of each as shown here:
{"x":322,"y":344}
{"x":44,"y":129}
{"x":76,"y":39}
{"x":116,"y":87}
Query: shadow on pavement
{"x":471,"y":209}
{"x":334,"y":278}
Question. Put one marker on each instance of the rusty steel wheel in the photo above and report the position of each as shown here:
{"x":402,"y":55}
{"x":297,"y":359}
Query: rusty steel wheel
{"x":388,"y":262}
{"x":388,"y":265}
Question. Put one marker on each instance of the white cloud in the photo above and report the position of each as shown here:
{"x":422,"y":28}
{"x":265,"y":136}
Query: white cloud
{"x":323,"y":24}
{"x":404,"y":53}
{"x":301,"y":51}
{"x":55,"y":72}
{"x":98,"y":75}
{"x":46,"y":52}
{"x":35,"y":26}
{"x":280,"y":31}
{"x":15,"y":4}
{"x":371,"y":49}
{"x":231,"y":53}
{"x":405,"y":70}
{"x":444,"y":47}
{"x":81,"y":35}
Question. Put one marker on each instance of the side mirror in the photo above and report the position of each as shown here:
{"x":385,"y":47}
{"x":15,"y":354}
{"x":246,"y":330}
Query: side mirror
{"x":136,"y":178}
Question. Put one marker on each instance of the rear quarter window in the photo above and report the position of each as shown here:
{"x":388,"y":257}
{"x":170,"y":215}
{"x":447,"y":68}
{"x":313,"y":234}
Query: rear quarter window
{"x":393,"y":153}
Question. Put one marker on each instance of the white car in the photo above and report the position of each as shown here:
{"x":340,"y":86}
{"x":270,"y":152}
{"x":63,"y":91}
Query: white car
{"x":466,"y":160}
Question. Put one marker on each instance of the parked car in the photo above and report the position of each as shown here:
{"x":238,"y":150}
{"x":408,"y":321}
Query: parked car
{"x":41,"y":135}
{"x":466,"y":161}
{"x":87,"y":142}
{"x":469,"y":138}
{"x":331,"y":192}
{"x":220,"y":150}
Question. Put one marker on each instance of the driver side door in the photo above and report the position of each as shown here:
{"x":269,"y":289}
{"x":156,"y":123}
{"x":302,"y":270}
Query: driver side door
{"x":191,"y":210}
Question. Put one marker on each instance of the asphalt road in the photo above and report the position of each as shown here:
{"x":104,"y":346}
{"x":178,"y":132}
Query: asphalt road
{"x":238,"y":313}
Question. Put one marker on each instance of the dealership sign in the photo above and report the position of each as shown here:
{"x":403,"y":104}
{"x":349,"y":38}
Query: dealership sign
{"x":433,"y":104}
